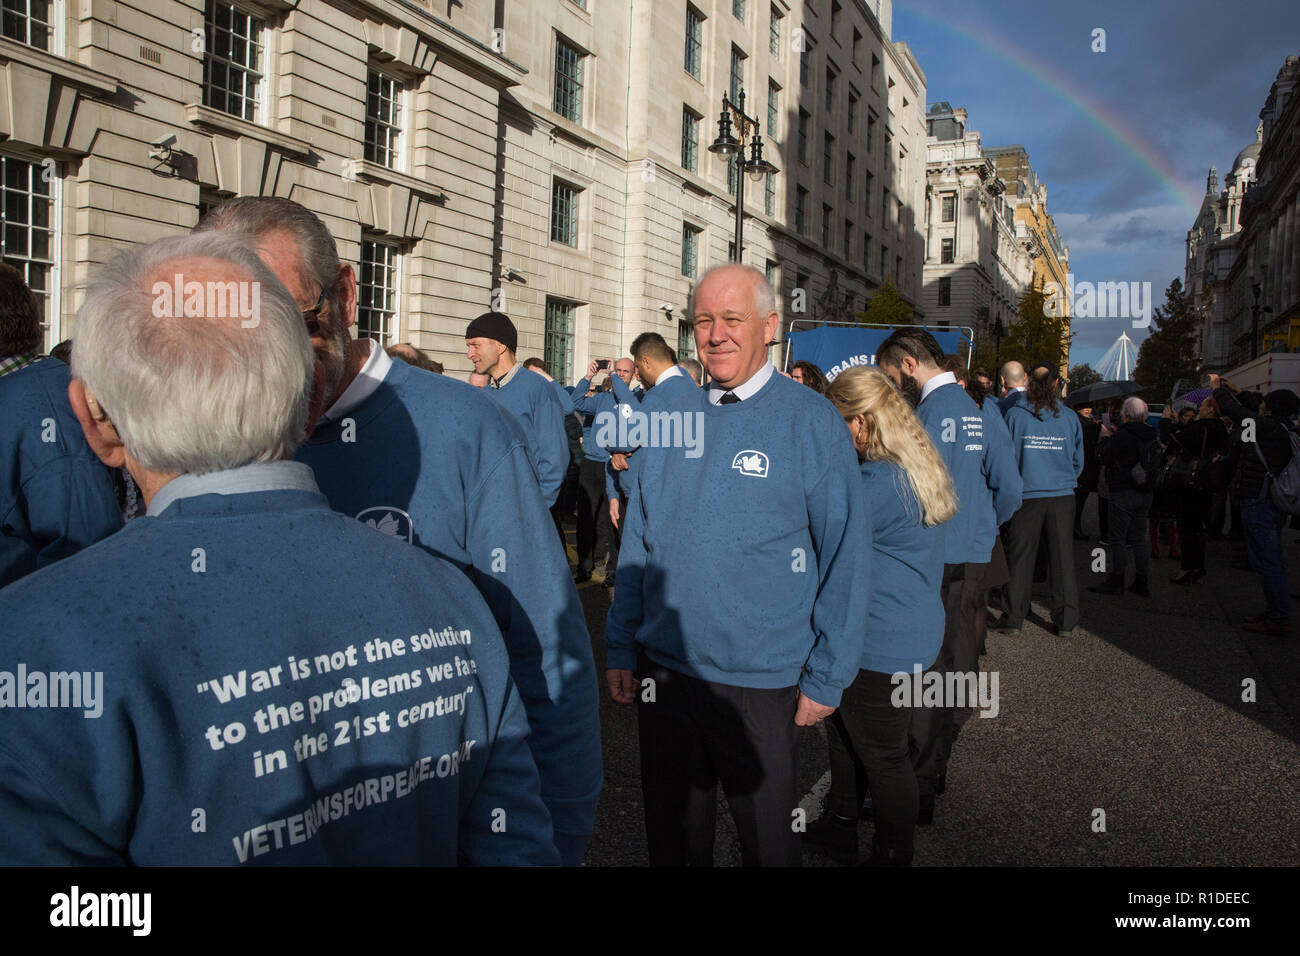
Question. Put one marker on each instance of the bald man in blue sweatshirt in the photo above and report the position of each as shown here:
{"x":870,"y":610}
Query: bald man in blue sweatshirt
{"x":741,"y":594}
{"x":200,"y":688}
{"x":439,"y":464}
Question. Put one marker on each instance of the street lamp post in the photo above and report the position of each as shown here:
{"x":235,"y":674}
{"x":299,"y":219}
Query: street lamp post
{"x":728,"y":145}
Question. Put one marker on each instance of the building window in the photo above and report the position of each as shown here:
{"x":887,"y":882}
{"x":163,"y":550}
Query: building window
{"x":737,"y":74}
{"x":848,"y":239}
{"x":848,"y":177}
{"x":870,"y":188}
{"x":685,"y":340}
{"x":884,"y":206}
{"x":857,"y":45}
{"x":853,"y":114}
{"x":871,"y":133}
{"x":835,"y":16}
{"x":31,"y":22}
{"x":801,"y":210}
{"x":694,"y":33}
{"x":731,"y":252}
{"x":690,"y":141}
{"x":738,"y":10}
{"x":564,"y":213}
{"x":866,"y":251}
{"x":898,"y":217}
{"x":769,"y":272}
{"x":884,"y":259}
{"x":233,"y":68}
{"x":774,"y":33}
{"x":945,"y":291}
{"x":875,"y":71}
{"x":568,"y":80}
{"x":826,"y":226}
{"x":830,"y":89}
{"x":949,"y":207}
{"x":804,"y":56}
{"x":773,"y":112}
{"x":769,"y":194}
{"x":383,"y":120}
{"x":946,"y":253}
{"x":828,"y":157}
{"x":898,"y":271}
{"x":377,"y":291}
{"x":690,"y":251}
{"x":804,"y":117}
{"x":557,"y":351}
{"x":27,"y":215}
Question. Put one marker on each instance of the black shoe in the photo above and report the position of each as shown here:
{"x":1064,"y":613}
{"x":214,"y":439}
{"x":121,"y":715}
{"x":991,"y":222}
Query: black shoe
{"x":836,"y":837}
{"x":1114,"y":584}
{"x":925,"y":810}
{"x":941,"y":784}
{"x":881,"y":856}
{"x":1188,"y":577}
{"x":1139,"y":586}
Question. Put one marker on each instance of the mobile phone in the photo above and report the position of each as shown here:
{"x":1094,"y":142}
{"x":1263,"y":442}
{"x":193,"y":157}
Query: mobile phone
{"x":1105,"y":419}
{"x":603,"y":363}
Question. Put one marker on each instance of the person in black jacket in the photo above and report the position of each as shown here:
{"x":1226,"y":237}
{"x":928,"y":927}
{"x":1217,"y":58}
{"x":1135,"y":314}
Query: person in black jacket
{"x":1262,"y":522}
{"x":1088,"y":480}
{"x":1197,"y":442}
{"x":1118,"y":450}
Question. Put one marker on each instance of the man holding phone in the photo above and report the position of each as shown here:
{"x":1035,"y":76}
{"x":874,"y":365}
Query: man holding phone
{"x":593,"y":507}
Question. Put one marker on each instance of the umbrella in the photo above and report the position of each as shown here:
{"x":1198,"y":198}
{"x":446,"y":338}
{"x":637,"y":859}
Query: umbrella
{"x":1101,"y":392}
{"x":1195,"y":396}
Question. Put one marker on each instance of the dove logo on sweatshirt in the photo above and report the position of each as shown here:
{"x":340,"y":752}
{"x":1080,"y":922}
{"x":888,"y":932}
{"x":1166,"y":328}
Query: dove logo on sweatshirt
{"x":750,"y":462}
{"x":388,"y":520}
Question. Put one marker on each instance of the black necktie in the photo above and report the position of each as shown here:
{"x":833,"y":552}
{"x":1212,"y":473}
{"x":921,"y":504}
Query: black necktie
{"x":731,"y":398}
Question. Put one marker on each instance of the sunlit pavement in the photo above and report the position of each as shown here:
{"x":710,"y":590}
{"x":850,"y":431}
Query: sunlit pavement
{"x":1138,"y":716}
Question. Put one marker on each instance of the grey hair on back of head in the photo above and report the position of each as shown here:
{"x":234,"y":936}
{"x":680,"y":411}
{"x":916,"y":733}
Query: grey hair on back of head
{"x":195,"y":394}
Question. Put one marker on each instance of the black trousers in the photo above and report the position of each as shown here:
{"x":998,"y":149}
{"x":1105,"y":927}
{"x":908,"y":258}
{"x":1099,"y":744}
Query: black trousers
{"x":1036,"y":515}
{"x":868,"y":743}
{"x":1193,"y":512}
{"x":593,"y":514}
{"x":1081,"y":499}
{"x":696,"y":734}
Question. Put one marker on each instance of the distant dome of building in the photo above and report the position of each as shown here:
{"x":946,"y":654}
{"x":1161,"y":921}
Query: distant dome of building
{"x":1250,"y":153}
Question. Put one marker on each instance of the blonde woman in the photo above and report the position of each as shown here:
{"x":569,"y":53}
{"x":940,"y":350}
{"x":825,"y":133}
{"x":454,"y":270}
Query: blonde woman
{"x":909,"y":495}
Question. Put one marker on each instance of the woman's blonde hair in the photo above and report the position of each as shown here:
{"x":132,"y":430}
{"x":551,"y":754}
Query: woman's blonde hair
{"x":892,"y":432}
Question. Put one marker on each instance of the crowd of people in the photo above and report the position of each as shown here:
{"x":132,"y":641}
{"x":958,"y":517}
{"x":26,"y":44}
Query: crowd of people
{"x":273,"y":593}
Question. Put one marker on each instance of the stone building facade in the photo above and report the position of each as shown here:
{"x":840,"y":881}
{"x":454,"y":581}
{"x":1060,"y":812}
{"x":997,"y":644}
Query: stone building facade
{"x":546,"y":157}
{"x":975,"y":266}
{"x":1265,"y":272}
{"x":1211,"y":251}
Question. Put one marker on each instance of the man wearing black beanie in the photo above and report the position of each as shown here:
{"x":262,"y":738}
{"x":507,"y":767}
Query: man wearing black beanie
{"x":490,"y":343}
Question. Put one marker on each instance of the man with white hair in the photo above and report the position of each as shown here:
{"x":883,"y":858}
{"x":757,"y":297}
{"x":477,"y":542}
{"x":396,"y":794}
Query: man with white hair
{"x":214,"y":696}
{"x":694,"y":369}
{"x":443,"y":466}
{"x":1127,"y":452}
{"x":740,"y":600}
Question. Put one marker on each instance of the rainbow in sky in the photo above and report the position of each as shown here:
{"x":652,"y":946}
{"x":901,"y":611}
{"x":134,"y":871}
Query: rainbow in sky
{"x":1112,"y":126}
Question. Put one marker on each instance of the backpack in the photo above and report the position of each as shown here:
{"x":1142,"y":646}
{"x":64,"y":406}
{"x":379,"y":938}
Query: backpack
{"x":1149,"y":471}
{"x":1284,"y":487}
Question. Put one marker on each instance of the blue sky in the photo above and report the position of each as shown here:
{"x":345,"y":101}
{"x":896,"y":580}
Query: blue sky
{"x":1186,"y":79}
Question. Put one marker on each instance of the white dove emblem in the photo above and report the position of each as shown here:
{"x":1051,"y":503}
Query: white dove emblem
{"x":750,"y":462}
{"x":389,"y":521}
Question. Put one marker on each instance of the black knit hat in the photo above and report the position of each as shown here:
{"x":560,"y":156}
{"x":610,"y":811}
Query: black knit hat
{"x":496,"y":326}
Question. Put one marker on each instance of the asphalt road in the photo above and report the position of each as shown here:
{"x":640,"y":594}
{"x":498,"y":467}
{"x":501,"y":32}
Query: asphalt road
{"x":1140,"y":716}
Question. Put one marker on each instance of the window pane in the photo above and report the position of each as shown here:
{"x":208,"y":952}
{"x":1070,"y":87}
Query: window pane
{"x":568,"y":81}
{"x":233,"y":62}
{"x":557,"y":350}
{"x":377,"y":292}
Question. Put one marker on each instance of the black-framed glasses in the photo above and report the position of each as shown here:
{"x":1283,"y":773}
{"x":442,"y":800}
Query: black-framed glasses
{"x":311,"y":317}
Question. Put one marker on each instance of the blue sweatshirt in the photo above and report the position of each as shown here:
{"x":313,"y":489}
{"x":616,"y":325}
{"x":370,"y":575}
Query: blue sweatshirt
{"x":744,"y":565}
{"x":532,"y":400}
{"x":437,"y":463}
{"x":233,"y":706}
{"x":974,"y":444}
{"x":56,"y":497}
{"x":1048,"y":449}
{"x":666,"y":395}
{"x":905,"y":618}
